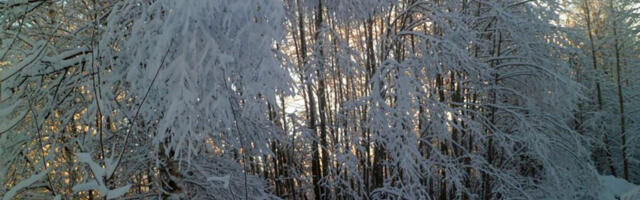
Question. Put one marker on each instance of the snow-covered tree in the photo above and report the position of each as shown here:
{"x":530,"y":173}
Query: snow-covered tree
{"x":318,"y":99}
{"x":201,"y":75}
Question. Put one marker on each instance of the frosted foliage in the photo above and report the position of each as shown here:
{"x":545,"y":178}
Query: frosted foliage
{"x":525,"y":87}
{"x":100,"y":174}
{"x":357,"y":9}
{"x":319,"y":99}
{"x":24,"y":184}
{"x":215,"y":54}
{"x":204,"y":70}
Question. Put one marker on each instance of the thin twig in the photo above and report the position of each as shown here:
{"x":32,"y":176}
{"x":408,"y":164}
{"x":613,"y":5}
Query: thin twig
{"x":135,"y":116}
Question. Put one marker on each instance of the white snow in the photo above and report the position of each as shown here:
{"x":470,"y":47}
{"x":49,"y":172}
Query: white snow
{"x":110,"y":167}
{"x":100,"y":173}
{"x":118,"y":192}
{"x":90,"y":185}
{"x":8,"y":109}
{"x":12,"y":70}
{"x":11,"y":121}
{"x":223,"y":179}
{"x":632,"y":195}
{"x":25,"y":183}
{"x":615,"y":188}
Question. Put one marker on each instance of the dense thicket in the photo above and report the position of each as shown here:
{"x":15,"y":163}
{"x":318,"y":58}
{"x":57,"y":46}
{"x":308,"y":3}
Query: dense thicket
{"x":317,"y":99}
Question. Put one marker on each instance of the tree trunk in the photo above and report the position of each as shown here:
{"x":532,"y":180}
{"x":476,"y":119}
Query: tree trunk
{"x":623,"y":136}
{"x":322,"y":100}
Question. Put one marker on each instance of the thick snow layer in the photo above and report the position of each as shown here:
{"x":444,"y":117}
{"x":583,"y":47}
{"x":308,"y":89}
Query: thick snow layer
{"x":24,"y":184}
{"x":615,"y":188}
{"x":100,"y":173}
{"x":632,"y":195}
{"x":118,"y":192}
